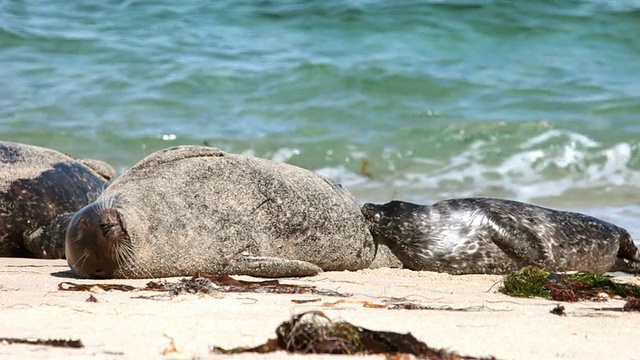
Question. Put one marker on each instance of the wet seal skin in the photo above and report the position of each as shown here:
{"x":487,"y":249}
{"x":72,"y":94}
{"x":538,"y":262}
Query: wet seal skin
{"x":40,"y":190}
{"x":191,"y":209}
{"x":495,"y":236}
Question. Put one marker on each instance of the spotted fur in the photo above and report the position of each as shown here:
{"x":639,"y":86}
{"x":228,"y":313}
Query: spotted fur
{"x":40,"y":189}
{"x":495,"y":236}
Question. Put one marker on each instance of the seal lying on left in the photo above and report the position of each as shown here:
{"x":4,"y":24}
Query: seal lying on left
{"x":194,"y":208}
{"x":495,"y":236}
{"x":40,"y":190}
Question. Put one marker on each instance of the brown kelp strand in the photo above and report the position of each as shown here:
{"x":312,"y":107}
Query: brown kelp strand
{"x":558,"y":310}
{"x":632,"y":304}
{"x":47,"y":342}
{"x":396,"y":306}
{"x":314,"y":333}
{"x":201,"y":282}
{"x":69,"y":286}
{"x":533,"y":281}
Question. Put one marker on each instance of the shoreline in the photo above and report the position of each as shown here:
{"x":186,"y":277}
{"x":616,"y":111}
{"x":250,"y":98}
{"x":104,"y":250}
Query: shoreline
{"x":472,"y":318}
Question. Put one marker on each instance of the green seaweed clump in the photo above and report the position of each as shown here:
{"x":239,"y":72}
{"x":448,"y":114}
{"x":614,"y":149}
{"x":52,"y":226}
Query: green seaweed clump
{"x":526,"y":282}
{"x":533,"y":281}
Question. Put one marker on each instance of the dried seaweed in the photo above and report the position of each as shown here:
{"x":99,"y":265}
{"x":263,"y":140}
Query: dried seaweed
{"x":305,"y":301}
{"x":69,"y":286}
{"x":314,"y":333}
{"x":202,"y":283}
{"x":558,"y":310}
{"x":632,"y":304}
{"x":413,"y":306}
{"x":206,"y":283}
{"x":48,"y":342}
{"x":364,"y":303}
{"x":533,"y":281}
{"x":395,"y":306}
{"x":171,"y":349}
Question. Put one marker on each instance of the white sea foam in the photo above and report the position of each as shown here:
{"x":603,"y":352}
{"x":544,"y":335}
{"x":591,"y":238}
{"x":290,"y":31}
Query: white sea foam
{"x":284,"y":154}
{"x":557,"y":168}
{"x":535,"y":172}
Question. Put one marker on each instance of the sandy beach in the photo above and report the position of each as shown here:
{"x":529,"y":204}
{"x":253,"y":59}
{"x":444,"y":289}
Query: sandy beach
{"x":141,"y":324}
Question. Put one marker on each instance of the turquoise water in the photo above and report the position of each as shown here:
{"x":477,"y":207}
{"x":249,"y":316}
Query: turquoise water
{"x":537,"y":101}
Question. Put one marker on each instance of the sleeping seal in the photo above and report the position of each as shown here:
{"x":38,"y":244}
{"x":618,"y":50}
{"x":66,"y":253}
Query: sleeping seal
{"x":40,"y":189}
{"x":494,"y":236}
{"x":194,"y":208}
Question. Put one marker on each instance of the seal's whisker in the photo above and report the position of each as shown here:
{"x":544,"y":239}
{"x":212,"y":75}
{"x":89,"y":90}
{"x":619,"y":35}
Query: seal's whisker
{"x":81,"y":259}
{"x":75,"y":239}
{"x":127,"y":256}
{"x":75,"y":263}
{"x":117,"y":253}
{"x":104,"y":204}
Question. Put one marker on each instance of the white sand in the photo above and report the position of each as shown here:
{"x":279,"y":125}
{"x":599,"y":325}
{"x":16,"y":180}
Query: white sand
{"x":119,"y":326}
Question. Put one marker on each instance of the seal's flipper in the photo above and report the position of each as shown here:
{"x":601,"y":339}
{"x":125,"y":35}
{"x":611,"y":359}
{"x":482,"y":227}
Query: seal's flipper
{"x":625,"y":265}
{"x":521,"y":245}
{"x":628,"y":249}
{"x":261,"y":266}
{"x":47,"y":241}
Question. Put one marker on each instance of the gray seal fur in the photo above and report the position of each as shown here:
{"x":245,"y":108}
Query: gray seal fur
{"x":194,"y":208}
{"x":40,"y":189}
{"x":496,"y":236}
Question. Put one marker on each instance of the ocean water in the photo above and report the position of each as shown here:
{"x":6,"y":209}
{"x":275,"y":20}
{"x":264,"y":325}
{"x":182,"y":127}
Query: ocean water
{"x":415,"y":100}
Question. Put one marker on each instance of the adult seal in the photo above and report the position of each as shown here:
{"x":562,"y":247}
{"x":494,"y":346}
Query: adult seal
{"x":495,"y":236}
{"x":40,"y":190}
{"x":194,"y":208}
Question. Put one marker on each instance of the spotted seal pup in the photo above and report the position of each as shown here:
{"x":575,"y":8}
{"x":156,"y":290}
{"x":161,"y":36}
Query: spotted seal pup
{"x":494,"y":236}
{"x":194,"y":208}
{"x":40,"y":189}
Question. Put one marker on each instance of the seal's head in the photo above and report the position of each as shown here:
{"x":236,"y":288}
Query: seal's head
{"x":390,"y":222}
{"x":96,"y":241}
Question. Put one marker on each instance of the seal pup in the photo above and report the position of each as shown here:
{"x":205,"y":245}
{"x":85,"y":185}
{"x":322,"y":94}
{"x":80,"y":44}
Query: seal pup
{"x":195,"y":208}
{"x":495,"y":236}
{"x":40,"y":189}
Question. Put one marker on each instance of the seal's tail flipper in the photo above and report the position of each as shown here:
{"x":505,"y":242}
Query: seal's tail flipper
{"x":628,"y":248}
{"x":262,"y":266}
{"x":626,"y":265}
